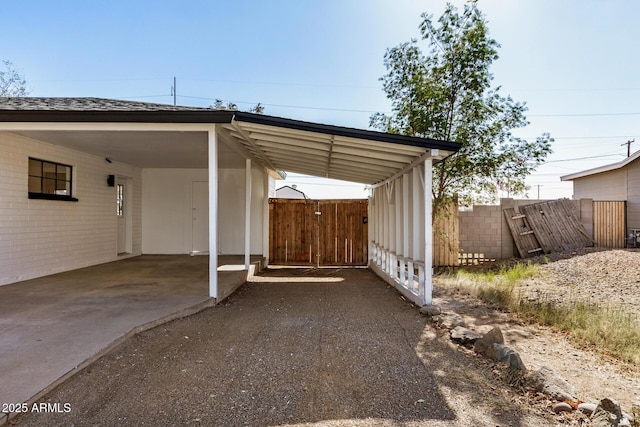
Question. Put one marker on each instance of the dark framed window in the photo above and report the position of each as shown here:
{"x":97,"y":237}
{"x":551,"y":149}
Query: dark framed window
{"x":50,"y":180}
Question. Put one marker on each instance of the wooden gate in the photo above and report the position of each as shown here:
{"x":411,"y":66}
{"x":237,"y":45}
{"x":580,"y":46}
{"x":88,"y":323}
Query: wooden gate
{"x":609,"y":224}
{"x":318,"y":232}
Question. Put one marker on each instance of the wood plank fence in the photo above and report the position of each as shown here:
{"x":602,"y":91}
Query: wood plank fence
{"x":556,"y":226}
{"x":446,"y":246}
{"x":609,"y":224}
{"x":318,"y":232}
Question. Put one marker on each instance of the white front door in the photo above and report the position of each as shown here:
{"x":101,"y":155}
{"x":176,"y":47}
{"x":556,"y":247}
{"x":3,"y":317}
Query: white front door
{"x":200,"y":217}
{"x":121,"y":212}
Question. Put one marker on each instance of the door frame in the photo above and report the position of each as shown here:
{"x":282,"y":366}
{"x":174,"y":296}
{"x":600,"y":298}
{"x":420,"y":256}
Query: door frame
{"x":193,"y":250}
{"x":127,"y":182}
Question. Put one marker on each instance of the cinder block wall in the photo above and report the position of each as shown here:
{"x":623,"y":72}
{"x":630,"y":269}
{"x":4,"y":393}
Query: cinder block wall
{"x":41,"y":237}
{"x":484,"y":230}
{"x":481,"y":231}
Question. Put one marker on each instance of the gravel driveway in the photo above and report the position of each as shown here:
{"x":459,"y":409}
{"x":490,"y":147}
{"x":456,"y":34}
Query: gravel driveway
{"x":333,"y":347}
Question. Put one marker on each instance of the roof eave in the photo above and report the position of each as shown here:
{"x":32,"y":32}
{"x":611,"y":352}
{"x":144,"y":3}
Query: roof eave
{"x":601,"y":169}
{"x":262,"y":119}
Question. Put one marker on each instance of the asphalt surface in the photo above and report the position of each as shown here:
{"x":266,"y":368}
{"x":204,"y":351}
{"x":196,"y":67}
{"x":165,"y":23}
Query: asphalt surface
{"x":326,"y":347}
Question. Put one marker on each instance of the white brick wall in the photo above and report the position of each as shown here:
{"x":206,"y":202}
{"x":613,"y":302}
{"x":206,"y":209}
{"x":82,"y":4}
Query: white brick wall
{"x":41,"y":237}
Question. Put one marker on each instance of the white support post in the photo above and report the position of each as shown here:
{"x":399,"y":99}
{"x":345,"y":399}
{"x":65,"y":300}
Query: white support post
{"x":428,"y":232}
{"x":371,"y":227}
{"x":380,"y":220}
{"x":398,"y":217}
{"x":391,"y":215}
{"x":247,"y":215}
{"x":213,"y":212}
{"x":389,"y":227}
{"x":265,"y":220}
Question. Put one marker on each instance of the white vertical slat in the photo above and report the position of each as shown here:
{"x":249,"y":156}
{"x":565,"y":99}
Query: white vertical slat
{"x":406,"y":236}
{"x":391,"y":215}
{"x":391,"y":229}
{"x":418,"y":212}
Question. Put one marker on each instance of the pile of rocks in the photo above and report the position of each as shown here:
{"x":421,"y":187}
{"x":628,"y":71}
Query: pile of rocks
{"x":606,"y":413}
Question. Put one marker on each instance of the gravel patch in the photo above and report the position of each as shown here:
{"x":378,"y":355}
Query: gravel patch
{"x":607,"y":277}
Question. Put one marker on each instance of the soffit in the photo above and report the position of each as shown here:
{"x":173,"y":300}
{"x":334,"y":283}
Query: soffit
{"x":143,"y":149}
{"x":323,"y":154}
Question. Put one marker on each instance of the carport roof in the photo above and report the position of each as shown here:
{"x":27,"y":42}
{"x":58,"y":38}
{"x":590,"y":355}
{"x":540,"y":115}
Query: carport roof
{"x":280,"y":144}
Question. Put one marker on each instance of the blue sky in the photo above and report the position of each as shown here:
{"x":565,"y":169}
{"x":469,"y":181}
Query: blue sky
{"x":575,"y":63}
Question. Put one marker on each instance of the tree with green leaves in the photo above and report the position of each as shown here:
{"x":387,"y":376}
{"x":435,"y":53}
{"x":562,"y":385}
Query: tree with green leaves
{"x":12,"y":82}
{"x":219,"y":104}
{"x":447,"y":94}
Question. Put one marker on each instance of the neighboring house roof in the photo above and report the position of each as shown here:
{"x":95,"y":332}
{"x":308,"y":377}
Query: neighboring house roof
{"x":290,"y":188}
{"x":280,"y":144}
{"x":600,"y":169}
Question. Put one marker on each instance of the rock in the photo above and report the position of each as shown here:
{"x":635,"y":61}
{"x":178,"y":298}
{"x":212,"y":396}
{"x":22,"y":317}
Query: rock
{"x":562,"y":407}
{"x":448,"y":319}
{"x":483,"y":329}
{"x":609,"y":414}
{"x":464,"y":336}
{"x":485,"y":344}
{"x":587,"y":408}
{"x":546,"y":381}
{"x":430,"y":310}
{"x":506,"y":354}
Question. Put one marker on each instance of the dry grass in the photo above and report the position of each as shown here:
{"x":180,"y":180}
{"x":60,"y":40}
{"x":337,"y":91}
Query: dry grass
{"x":610,"y":330}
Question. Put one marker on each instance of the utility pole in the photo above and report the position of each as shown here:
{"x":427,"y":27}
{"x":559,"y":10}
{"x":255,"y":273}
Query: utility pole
{"x":173,"y":91}
{"x":538,"y":185}
{"x":628,"y":144}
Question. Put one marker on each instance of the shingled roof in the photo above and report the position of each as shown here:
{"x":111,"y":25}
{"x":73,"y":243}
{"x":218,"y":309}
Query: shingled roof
{"x":279,"y":143}
{"x":87,"y":104}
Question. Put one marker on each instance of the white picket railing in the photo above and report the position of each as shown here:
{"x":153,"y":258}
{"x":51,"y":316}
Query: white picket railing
{"x":406,"y":274}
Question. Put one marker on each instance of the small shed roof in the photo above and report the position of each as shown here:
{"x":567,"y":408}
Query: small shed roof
{"x":281,"y":144}
{"x":601,"y":169}
{"x":290,"y":188}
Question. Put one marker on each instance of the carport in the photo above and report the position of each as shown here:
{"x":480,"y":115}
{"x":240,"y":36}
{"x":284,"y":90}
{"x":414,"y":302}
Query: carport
{"x":159,"y":153}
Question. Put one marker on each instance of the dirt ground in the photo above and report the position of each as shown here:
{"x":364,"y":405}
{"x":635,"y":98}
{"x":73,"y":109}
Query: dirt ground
{"x":330,"y":347}
{"x":608,"y":277}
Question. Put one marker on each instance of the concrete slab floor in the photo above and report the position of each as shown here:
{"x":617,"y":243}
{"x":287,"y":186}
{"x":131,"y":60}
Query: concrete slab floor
{"x":51,"y":325}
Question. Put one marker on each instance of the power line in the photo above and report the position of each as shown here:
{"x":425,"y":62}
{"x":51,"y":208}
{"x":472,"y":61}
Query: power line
{"x":304,"y":107}
{"x":283,"y":83}
{"x":585,"y":137}
{"x":584,"y":114}
{"x":582,"y":158}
